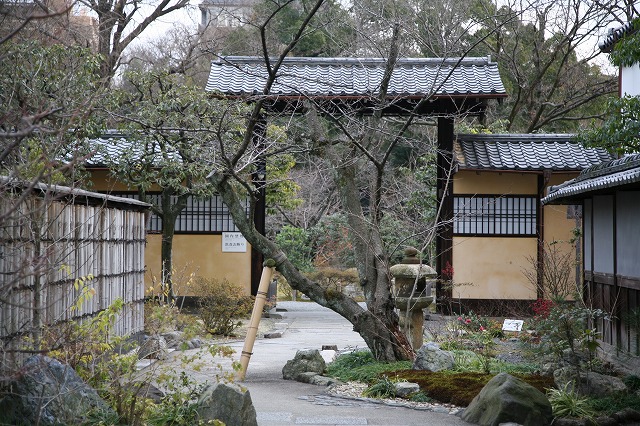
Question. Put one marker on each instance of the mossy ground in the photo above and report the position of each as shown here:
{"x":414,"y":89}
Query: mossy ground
{"x":459,"y":388}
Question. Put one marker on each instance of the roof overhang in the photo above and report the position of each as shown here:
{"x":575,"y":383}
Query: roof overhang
{"x":608,"y":178}
{"x":525,"y":152}
{"x":422,"y":86}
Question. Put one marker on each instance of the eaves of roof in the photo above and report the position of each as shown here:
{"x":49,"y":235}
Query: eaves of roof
{"x":602,"y":178}
{"x":356,"y":78}
{"x":76,"y":194}
{"x":525,"y":152}
{"x":616,"y":34}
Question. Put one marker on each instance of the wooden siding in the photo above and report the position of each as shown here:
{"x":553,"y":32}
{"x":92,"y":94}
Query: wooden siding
{"x":612,"y":284}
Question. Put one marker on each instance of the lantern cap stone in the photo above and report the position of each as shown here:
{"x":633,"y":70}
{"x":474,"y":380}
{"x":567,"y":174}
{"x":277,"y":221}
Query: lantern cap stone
{"x":403,"y":270}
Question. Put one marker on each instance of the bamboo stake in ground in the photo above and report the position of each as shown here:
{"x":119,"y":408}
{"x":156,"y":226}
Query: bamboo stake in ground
{"x":252,"y":331}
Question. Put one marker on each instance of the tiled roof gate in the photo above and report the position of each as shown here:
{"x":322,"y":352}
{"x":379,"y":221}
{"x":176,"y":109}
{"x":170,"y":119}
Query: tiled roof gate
{"x":455,"y":85}
{"x":441,"y":87}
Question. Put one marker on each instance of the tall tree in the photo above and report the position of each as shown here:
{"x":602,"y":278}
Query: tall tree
{"x":120,"y":22}
{"x":169,"y":127}
{"x":545,"y":53}
{"x":357,"y":152}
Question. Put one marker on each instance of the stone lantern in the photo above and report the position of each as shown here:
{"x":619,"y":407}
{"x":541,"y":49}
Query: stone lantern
{"x":413,"y":284}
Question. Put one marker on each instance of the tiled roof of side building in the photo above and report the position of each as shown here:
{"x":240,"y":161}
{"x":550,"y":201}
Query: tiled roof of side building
{"x":622,"y":172}
{"x":113,"y":145}
{"x":616,"y":34}
{"x":558,"y":152}
{"x":351,"y":77}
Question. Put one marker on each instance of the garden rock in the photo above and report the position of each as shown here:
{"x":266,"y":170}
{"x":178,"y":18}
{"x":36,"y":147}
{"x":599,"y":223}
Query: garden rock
{"x":228,"y":403}
{"x":50,"y":393}
{"x":431,"y":358}
{"x":304,"y":361}
{"x":316,"y":379}
{"x":145,"y":390}
{"x":628,"y":415}
{"x":154,"y":347}
{"x":173,"y":338}
{"x":588,"y":383}
{"x":404,"y":389}
{"x":508,"y":399}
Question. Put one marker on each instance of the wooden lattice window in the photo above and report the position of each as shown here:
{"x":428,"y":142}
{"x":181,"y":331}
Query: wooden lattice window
{"x":510,"y":215}
{"x":209,"y":215}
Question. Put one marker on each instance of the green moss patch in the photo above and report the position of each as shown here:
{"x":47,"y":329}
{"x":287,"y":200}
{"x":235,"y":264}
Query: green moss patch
{"x":460,"y":388}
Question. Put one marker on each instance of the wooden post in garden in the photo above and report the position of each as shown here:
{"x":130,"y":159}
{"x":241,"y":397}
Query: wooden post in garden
{"x":252,"y":331}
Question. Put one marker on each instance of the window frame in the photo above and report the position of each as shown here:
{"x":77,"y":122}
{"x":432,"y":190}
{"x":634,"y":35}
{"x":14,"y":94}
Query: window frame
{"x":203,"y":212}
{"x":516,"y":215}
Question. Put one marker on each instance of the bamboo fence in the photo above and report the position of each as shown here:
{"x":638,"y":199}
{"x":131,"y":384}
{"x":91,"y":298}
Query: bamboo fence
{"x":51,"y":241}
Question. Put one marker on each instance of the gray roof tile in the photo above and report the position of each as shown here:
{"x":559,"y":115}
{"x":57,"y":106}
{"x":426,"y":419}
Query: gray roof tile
{"x":614,"y":35}
{"x":113,"y":145}
{"x":333,"y":77}
{"x":525,"y":152}
{"x":601,"y":177}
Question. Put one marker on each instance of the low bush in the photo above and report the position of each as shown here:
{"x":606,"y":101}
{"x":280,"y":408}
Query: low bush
{"x":382,"y":388}
{"x":221,"y":304}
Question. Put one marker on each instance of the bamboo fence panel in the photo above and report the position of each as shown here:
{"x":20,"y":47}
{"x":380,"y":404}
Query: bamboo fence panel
{"x":49,"y":242}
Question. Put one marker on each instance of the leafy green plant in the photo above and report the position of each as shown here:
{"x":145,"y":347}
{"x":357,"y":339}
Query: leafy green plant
{"x":296,"y":244}
{"x":382,"y":388}
{"x":567,"y":328}
{"x":79,"y":344}
{"x":420,"y":397}
{"x":613,"y":404}
{"x":221,"y":304}
{"x":179,"y":407}
{"x":485,"y":350}
{"x":566,"y":402}
{"x":361,"y":366}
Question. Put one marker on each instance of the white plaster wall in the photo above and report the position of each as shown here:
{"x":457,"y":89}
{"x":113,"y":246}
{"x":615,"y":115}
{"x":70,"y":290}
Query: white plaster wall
{"x":630,"y":80}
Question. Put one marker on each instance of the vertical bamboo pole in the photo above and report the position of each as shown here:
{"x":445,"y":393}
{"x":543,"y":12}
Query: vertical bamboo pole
{"x":252,"y":331}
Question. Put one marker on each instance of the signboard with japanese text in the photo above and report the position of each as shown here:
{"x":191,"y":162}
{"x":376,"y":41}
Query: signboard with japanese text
{"x":512,"y":325}
{"x":233,"y":242}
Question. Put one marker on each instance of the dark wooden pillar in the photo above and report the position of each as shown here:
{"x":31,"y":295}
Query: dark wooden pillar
{"x":259,"y":179}
{"x":444,"y":186}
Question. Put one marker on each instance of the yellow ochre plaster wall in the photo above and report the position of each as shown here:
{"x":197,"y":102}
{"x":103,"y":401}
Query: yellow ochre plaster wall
{"x":492,"y":267}
{"x":202,"y":255}
{"x":471,"y":182}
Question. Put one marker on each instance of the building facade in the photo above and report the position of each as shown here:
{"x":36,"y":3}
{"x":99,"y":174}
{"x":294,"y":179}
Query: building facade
{"x":500,"y":229}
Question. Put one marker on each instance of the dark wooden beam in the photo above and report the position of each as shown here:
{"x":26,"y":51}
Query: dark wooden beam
{"x":444,"y":189}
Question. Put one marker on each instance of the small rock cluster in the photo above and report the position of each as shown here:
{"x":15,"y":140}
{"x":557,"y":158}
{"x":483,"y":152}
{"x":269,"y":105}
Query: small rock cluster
{"x":157,"y":346}
{"x":307,"y":367}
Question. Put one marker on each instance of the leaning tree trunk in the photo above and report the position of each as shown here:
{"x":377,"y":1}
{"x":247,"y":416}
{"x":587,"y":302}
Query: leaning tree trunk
{"x":378,"y":325}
